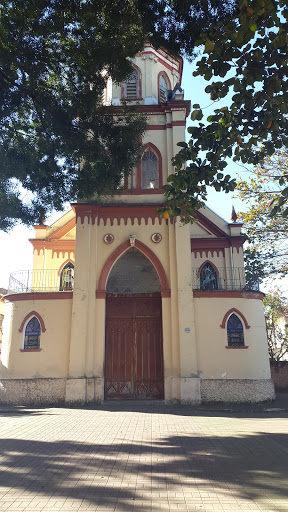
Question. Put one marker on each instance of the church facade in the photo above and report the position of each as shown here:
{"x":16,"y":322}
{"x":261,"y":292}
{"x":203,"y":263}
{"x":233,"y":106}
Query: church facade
{"x":124,"y":304}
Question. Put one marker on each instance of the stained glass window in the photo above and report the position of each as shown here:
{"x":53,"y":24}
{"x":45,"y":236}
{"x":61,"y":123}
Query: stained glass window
{"x":149,"y":170}
{"x":32,"y":334}
{"x":67,"y":277}
{"x":133,"y":273}
{"x":235,"y":332}
{"x":208,"y":278}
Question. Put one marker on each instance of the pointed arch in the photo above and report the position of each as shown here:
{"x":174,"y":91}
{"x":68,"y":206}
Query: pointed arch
{"x":138,"y":96}
{"x":167,"y":80}
{"x":212,"y":265}
{"x":101,"y":290}
{"x":238,"y":313}
{"x":154,"y":149}
{"x":209,"y":277}
{"x":28,"y":317}
{"x":65,"y":263}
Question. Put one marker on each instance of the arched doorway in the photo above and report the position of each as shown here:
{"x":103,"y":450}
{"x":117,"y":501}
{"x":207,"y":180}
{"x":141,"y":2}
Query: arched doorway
{"x":133,"y":346}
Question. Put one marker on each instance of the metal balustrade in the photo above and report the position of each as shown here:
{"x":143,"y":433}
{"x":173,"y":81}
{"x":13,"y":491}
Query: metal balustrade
{"x":225,"y":279}
{"x":27,"y":281}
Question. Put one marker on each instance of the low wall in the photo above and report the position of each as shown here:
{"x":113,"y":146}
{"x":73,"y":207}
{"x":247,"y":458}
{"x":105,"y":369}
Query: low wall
{"x":32,"y":391}
{"x":279,"y":374}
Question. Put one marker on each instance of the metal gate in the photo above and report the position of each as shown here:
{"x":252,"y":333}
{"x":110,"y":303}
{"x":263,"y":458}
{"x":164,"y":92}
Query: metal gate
{"x":133,"y":347}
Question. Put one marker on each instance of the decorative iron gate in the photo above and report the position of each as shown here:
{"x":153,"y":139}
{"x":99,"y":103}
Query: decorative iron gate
{"x":133,"y":348}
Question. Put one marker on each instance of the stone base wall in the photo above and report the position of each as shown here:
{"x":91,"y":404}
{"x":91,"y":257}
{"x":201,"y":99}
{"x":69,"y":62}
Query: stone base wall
{"x":32,"y":391}
{"x":237,"y":390}
{"x":83,"y":391}
{"x":279,"y":374}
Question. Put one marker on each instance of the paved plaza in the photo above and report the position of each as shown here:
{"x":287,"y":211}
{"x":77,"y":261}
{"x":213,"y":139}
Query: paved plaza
{"x":144,"y":456}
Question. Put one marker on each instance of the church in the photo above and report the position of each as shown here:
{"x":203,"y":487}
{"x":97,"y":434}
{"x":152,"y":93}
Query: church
{"x":122,"y":303}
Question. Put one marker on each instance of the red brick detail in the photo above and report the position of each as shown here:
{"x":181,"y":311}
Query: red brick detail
{"x":59,"y":233}
{"x":165,"y":294}
{"x":166,"y":64}
{"x":228,"y":294}
{"x":238,"y":313}
{"x":30,"y":315}
{"x":63,"y":265}
{"x":16,"y":297}
{"x":57,"y":246}
{"x":165,"y":126}
{"x":30,"y":350}
{"x":146,"y":251}
{"x":93,"y":212}
{"x":206,"y":245}
{"x":101,"y":294}
{"x":210,"y":225}
{"x":246,"y":346}
{"x":184,"y":105}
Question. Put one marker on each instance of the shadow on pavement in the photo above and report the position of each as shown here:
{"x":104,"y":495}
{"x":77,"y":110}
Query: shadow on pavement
{"x":253,"y":465}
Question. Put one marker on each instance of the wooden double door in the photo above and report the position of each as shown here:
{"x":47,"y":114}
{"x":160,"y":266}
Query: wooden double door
{"x":133,"y":347}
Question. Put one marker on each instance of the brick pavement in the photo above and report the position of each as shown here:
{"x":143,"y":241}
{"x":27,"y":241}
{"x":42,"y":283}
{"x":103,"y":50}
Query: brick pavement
{"x":143,"y":457}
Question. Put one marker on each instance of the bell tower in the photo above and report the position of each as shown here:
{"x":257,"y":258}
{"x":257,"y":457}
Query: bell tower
{"x":110,"y":227}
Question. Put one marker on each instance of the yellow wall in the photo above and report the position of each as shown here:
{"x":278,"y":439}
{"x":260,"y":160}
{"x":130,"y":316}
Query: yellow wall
{"x":214,"y":360}
{"x":52,"y":360}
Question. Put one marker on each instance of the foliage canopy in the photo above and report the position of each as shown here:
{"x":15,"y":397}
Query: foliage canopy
{"x":267,"y":234}
{"x":276,"y":311}
{"x":52,"y":57}
{"x":245,"y":55}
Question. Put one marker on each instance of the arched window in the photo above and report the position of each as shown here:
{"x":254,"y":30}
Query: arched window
{"x":149,"y":170}
{"x":235,"y":333}
{"x":67,"y":277}
{"x":32,"y":334}
{"x":208,"y":277}
{"x":163,"y":88}
{"x":133,"y":272}
{"x":131,"y":86}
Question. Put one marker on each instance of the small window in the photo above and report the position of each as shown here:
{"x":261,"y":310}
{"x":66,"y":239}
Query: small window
{"x":32,"y":334}
{"x":208,"y":278}
{"x":163,"y":87}
{"x":149,"y":170}
{"x":235,"y":332}
{"x":132,"y":86}
{"x":67,"y":277}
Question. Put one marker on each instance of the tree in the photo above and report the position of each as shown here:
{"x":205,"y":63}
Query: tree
{"x":54,"y":58}
{"x":248,"y":52}
{"x":276,"y":309}
{"x":267,"y":234}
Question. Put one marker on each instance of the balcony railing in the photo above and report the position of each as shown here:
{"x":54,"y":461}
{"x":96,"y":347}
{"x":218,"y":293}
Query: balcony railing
{"x":27,"y":281}
{"x":224,"y":279}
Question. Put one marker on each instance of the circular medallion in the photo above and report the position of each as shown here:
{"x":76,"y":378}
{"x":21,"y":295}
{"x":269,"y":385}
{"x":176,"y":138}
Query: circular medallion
{"x":108,"y":238}
{"x":156,"y":238}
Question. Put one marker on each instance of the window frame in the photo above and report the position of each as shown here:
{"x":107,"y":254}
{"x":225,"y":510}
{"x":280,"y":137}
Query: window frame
{"x":68,"y":265}
{"x":138,"y":96}
{"x":215,"y":270}
{"x":137,"y":174}
{"x":25,"y":344}
{"x":166,"y":78}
